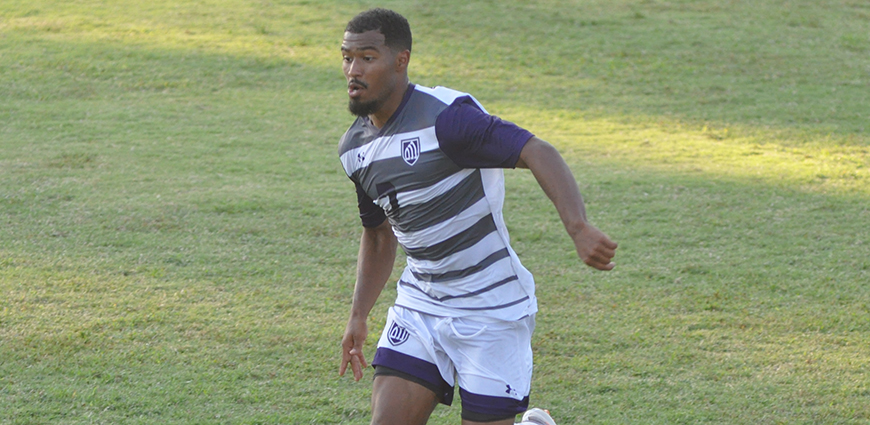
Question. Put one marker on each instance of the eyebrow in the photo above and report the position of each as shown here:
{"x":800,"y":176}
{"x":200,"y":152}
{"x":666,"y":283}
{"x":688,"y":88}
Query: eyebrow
{"x":346,"y":49}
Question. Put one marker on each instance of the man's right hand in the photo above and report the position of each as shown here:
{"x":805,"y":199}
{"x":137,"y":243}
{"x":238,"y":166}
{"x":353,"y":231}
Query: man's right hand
{"x":351,"y":348}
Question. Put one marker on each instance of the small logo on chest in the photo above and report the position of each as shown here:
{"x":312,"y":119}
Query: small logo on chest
{"x":411,"y":150}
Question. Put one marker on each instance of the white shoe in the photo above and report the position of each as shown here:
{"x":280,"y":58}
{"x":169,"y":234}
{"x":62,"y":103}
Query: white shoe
{"x":538,"y":416}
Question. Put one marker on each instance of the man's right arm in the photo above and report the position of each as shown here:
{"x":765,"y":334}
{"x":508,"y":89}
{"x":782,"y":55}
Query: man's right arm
{"x":377,"y":253}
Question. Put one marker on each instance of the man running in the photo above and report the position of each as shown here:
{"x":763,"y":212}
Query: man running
{"x":428,"y":168}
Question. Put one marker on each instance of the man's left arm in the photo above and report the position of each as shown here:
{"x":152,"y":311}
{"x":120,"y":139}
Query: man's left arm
{"x":474,"y":139}
{"x":552,"y":173}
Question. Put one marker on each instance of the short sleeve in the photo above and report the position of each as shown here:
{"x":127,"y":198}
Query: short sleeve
{"x":370,"y":213}
{"x":474,"y":139}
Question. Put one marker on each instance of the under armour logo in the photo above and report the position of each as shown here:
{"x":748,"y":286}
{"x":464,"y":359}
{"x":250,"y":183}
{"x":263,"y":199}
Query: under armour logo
{"x":361,"y":156}
{"x":511,"y":391}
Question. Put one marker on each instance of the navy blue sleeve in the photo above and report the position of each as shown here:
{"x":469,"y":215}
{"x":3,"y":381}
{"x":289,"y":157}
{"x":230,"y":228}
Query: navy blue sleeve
{"x":475,"y":139}
{"x":370,"y":213}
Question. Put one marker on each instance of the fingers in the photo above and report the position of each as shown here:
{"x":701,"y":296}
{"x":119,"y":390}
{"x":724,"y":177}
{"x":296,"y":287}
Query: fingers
{"x":346,"y":359}
{"x":362,"y":359}
{"x":351,"y":349}
{"x":603,"y":254}
{"x":342,"y":367}
{"x":601,"y":265}
{"x":600,"y":262}
{"x":357,"y":362}
{"x":596,"y":249}
{"x":602,"y":257}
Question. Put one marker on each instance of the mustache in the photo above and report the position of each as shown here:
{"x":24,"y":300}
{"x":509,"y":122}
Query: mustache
{"x":358,"y":83}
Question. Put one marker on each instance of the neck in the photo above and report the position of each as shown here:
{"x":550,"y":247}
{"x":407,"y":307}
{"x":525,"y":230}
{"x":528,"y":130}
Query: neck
{"x":380,"y":118}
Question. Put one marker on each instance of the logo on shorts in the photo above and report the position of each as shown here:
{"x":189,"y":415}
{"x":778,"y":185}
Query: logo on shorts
{"x":411,"y":150}
{"x":398,"y":335}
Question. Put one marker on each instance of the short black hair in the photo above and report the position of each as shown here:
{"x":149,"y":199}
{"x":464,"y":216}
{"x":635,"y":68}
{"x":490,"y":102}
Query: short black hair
{"x":394,"y":27}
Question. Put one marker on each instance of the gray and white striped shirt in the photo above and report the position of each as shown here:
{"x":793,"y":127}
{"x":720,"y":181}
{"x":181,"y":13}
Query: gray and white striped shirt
{"x":435,"y":169}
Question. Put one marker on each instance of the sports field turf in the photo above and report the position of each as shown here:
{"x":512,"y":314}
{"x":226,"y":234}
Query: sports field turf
{"x":178,"y":240}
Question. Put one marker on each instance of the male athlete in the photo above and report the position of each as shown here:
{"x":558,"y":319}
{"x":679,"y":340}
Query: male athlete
{"x":427,"y":164}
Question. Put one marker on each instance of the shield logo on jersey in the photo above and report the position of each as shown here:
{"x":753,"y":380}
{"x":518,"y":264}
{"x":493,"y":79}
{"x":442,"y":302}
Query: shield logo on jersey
{"x":398,"y":335}
{"x":411,"y":150}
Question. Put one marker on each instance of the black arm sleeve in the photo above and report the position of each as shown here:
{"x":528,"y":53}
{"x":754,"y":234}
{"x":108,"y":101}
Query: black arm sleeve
{"x":370,"y":213}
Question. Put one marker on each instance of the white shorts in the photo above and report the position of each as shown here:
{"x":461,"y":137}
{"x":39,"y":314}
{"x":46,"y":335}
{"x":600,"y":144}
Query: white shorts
{"x":492,"y":360}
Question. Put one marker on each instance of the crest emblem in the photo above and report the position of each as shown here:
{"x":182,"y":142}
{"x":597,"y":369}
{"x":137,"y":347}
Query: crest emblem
{"x":411,"y":150}
{"x":398,"y":335}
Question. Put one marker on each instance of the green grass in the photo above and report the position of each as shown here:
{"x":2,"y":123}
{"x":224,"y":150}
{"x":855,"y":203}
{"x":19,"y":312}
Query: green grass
{"x":178,"y":241}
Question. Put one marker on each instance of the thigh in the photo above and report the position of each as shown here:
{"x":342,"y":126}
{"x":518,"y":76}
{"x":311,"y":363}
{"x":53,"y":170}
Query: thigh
{"x":407,"y":350}
{"x":397,"y":401}
{"x":494,"y":367}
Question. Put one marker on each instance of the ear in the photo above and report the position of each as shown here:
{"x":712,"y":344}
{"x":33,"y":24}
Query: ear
{"x":402,"y":60}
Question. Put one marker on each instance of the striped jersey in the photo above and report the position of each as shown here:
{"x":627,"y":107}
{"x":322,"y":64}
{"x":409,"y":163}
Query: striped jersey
{"x":435,"y":172}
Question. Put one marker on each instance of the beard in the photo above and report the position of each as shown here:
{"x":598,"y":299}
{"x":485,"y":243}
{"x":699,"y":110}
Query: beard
{"x":363,"y":109}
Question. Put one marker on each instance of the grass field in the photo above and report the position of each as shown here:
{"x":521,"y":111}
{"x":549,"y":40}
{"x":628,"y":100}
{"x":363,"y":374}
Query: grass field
{"x":178,"y":241}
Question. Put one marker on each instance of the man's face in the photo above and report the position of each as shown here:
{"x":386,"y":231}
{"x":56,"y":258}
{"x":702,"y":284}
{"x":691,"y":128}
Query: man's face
{"x":370,"y":68}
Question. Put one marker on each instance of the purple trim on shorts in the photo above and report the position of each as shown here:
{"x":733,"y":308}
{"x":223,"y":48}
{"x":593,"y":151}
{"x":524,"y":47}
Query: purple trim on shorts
{"x":417,"y":368}
{"x":494,"y":406}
